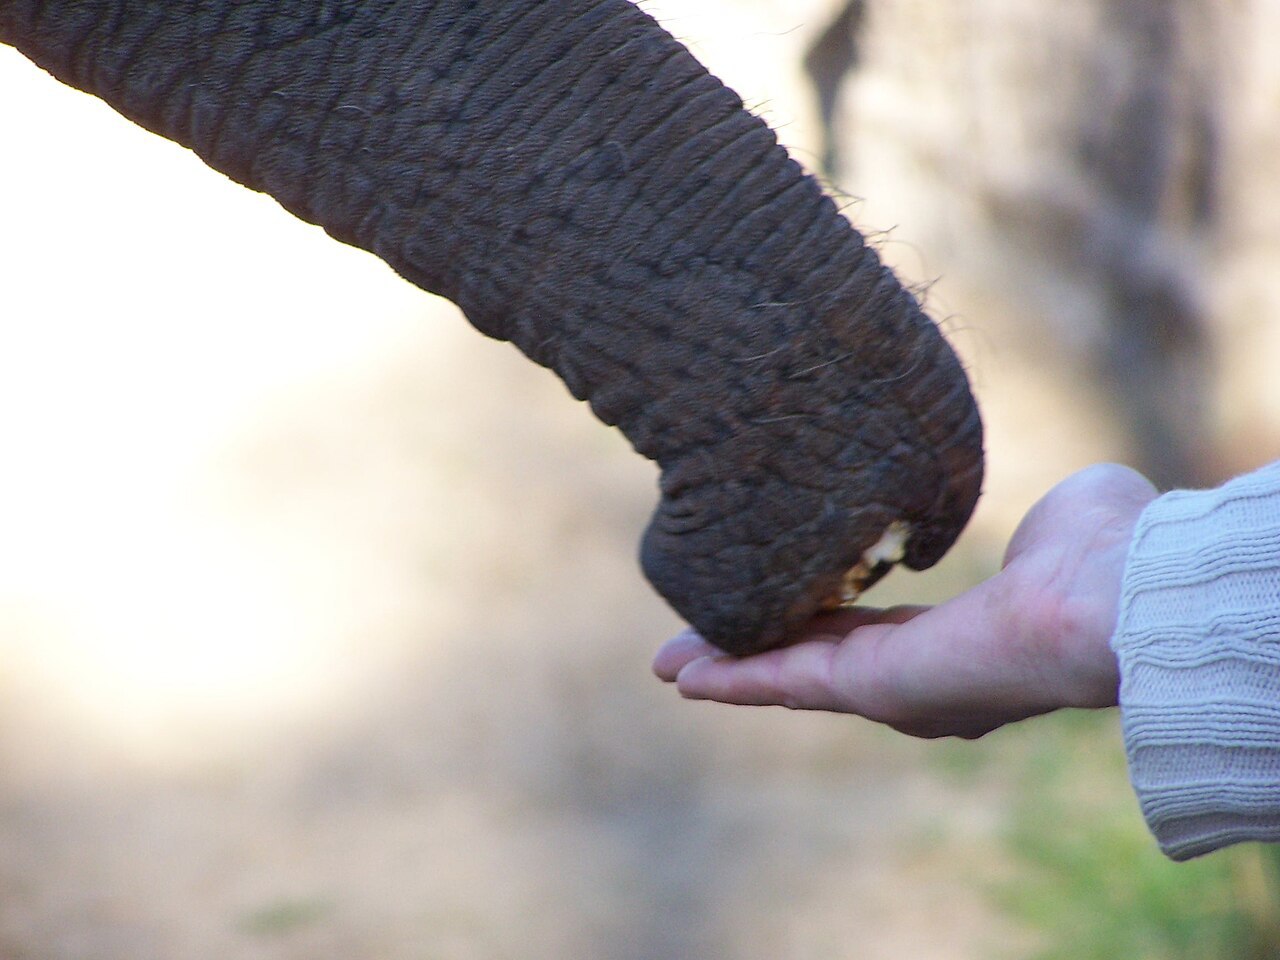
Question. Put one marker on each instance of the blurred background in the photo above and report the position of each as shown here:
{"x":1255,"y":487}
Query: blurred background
{"x":321,"y":632}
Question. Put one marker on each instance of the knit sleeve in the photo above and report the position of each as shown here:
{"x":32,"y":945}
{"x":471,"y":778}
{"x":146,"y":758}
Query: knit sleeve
{"x":1198,"y":641}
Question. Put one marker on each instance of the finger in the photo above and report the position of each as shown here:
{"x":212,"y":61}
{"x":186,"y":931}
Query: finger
{"x":861,"y":660}
{"x":830,"y":627}
{"x":678,"y":651}
{"x":833,"y":626}
{"x":800,"y":677}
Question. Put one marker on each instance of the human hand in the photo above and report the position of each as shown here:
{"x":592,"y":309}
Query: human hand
{"x":1033,"y":638}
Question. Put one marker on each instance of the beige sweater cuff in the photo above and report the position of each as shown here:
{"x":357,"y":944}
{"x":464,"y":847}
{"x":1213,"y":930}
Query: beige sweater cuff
{"x":1198,"y":641}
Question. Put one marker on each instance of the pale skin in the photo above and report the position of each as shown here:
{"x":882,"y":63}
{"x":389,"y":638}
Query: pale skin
{"x":1032,"y":639}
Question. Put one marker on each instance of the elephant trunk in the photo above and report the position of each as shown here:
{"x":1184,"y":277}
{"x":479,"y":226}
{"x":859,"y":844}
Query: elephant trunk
{"x":578,"y":184}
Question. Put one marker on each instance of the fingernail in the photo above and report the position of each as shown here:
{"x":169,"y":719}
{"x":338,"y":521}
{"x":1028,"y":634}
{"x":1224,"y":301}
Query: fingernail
{"x":675,"y":652}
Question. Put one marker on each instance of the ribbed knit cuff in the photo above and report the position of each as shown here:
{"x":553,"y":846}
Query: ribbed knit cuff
{"x":1198,"y":640}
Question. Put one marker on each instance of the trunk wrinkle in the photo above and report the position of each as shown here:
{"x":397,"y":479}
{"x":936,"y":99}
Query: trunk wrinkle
{"x":569,"y":175}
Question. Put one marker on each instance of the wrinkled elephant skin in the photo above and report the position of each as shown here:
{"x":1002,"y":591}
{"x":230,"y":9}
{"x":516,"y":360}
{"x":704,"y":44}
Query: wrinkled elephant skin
{"x":576,"y":182}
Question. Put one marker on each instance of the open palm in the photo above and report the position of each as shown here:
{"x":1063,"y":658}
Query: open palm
{"x":1033,"y":638}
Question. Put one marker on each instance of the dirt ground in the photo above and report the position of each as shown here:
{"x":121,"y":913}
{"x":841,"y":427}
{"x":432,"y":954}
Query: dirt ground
{"x":470,"y":760}
{"x":321,"y":630}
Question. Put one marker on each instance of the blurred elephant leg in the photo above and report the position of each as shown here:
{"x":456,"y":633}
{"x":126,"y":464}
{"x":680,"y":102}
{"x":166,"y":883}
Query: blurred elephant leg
{"x":1155,"y":160}
{"x":828,"y":64}
{"x":1156,"y":363}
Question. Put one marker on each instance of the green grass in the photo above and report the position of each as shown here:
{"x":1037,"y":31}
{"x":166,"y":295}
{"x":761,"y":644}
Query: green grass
{"x":283,"y":916}
{"x":1088,"y":879}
